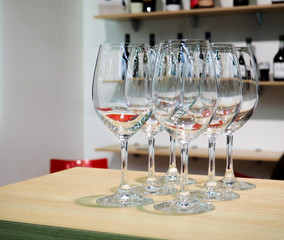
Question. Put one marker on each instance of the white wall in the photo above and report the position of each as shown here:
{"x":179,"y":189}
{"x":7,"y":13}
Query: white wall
{"x":48,"y":50}
{"x":265,"y":129}
{"x":41,"y":88}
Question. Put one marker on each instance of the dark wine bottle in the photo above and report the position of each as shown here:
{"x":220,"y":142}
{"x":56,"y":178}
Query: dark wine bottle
{"x":277,"y":1}
{"x":278,"y":62}
{"x":179,"y":36}
{"x":152,"y":40}
{"x":208,"y":36}
{"x":242,"y":66}
{"x":249,"y":45}
{"x":127,"y":39}
{"x":149,"y":5}
{"x":241,"y":2}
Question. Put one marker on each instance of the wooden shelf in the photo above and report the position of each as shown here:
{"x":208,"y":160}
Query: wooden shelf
{"x":247,"y":155}
{"x":195,"y":12}
{"x":271,"y":83}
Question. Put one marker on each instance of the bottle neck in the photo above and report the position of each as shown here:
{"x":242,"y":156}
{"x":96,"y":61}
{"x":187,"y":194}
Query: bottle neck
{"x":281,"y":45}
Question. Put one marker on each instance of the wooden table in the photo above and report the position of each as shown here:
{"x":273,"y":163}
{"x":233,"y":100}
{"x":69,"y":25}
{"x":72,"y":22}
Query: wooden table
{"x":194,"y":152}
{"x":56,"y":207}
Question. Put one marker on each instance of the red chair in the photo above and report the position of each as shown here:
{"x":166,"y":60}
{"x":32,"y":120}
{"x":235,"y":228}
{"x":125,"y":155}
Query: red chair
{"x":241,"y":175}
{"x":61,"y":164}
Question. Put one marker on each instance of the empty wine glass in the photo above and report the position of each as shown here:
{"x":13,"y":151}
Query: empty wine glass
{"x":229,"y":102}
{"x":152,"y":127}
{"x":121,"y":97}
{"x":185,"y":95}
{"x":250,"y":99}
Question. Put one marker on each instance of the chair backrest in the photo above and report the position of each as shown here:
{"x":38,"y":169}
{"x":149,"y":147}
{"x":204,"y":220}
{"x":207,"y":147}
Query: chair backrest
{"x":62,"y":164}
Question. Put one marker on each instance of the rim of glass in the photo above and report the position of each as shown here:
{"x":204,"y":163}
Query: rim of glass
{"x":184,"y":40}
{"x":242,"y":48}
{"x":124,"y":44}
{"x":224,"y":46}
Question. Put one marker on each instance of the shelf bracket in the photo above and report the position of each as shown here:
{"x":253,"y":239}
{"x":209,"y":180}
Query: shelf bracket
{"x":259,"y":18}
{"x":135,"y":24}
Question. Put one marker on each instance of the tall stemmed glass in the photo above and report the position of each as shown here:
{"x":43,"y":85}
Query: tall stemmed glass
{"x":152,"y":127}
{"x":172,"y":176}
{"x":229,"y":102}
{"x":250,"y":99}
{"x":185,"y":99}
{"x":121,"y":98}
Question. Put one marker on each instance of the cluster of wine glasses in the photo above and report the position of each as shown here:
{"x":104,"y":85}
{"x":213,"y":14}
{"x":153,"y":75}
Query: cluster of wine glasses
{"x":186,"y":87}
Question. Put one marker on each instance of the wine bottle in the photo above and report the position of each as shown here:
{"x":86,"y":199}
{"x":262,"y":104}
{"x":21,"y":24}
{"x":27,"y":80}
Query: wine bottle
{"x":242,"y":66}
{"x":249,"y":45}
{"x":152,"y":40}
{"x":278,"y":62}
{"x":277,"y":1}
{"x":208,"y":36}
{"x":173,"y":5}
{"x":179,"y":36}
{"x":149,"y":5}
{"x":127,"y":39}
{"x":126,"y":43}
{"x":241,"y":2}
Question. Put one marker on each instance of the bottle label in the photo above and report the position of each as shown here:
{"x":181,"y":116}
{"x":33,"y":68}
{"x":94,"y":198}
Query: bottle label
{"x":278,"y":70}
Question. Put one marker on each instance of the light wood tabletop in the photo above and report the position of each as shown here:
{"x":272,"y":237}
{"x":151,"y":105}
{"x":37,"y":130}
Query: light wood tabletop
{"x":195,"y":152}
{"x":64,"y":201}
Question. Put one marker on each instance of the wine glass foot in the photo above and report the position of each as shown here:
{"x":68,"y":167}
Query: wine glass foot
{"x":154,"y":189}
{"x":184,"y":205}
{"x":124,"y":198}
{"x":235,"y":185}
{"x":215,"y":194}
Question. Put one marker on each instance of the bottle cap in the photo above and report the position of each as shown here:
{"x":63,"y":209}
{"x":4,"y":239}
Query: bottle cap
{"x":179,"y":36}
{"x":248,"y":39}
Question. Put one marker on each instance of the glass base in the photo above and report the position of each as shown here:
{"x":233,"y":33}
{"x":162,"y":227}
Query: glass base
{"x":215,"y":194}
{"x":154,"y":188}
{"x":184,"y":205}
{"x":124,"y":198}
{"x":174,"y":180}
{"x":235,"y":185}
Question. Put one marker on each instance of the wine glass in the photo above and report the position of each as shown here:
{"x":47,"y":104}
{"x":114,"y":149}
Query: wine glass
{"x":229,"y":102}
{"x":250,"y":99}
{"x":185,"y":95}
{"x":121,"y":97}
{"x":152,"y":127}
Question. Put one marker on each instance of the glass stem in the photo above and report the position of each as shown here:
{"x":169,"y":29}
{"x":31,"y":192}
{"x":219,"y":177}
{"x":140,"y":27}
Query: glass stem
{"x":211,"y":166}
{"x":172,"y":152}
{"x":229,"y":174}
{"x":184,"y":167}
{"x":151,"y":158}
{"x":124,"y":163}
